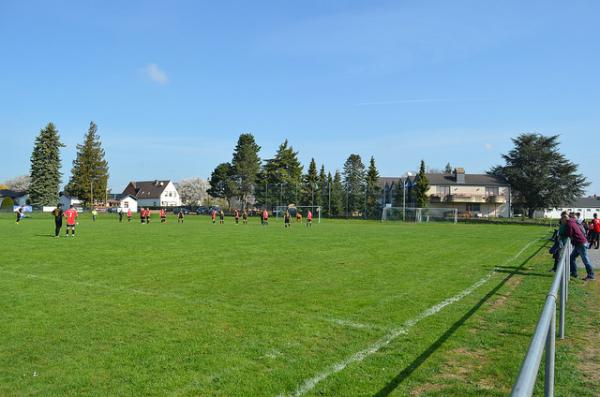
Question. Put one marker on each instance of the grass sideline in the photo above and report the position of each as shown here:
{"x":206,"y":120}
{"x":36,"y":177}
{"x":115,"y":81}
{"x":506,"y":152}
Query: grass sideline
{"x":202,"y":309}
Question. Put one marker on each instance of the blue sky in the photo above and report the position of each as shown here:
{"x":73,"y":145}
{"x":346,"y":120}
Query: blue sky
{"x":172,"y":84}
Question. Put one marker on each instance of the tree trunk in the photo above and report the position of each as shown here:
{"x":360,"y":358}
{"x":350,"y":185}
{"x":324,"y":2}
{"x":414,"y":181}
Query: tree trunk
{"x":530,"y":212}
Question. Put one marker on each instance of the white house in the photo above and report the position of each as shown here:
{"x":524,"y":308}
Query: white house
{"x":587,"y":206}
{"x":124,"y":202}
{"x":155,"y":193}
{"x":67,"y":201}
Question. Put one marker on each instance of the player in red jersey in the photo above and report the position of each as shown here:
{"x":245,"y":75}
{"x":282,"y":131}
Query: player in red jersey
{"x":237,"y":216}
{"x":309,"y":219}
{"x":163,"y":215}
{"x":595,"y":225}
{"x":265,"y":217}
{"x":129,"y":215}
{"x":71,"y":215}
{"x":213,"y":215}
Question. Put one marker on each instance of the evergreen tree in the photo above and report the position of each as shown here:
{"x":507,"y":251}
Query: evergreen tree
{"x":539,"y":175}
{"x":245,"y":167}
{"x":310,"y":184}
{"x":89,"y":175}
{"x":45,"y":167}
{"x":338,"y":207}
{"x":283,"y":174}
{"x":323,"y":191}
{"x":399,"y":198}
{"x":354,"y":181}
{"x":221,"y":183}
{"x":421,"y":187}
{"x":448,"y":169}
{"x":373,"y":191}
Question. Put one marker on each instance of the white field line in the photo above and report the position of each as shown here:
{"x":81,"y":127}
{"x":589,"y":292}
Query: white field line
{"x":309,"y":384}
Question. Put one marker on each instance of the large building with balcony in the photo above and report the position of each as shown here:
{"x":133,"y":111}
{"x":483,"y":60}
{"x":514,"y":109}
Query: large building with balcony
{"x":473,"y":195}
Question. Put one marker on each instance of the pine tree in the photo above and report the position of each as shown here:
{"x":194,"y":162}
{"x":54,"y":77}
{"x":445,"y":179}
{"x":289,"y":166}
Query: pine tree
{"x":338,"y":207}
{"x":373,"y":191}
{"x":89,"y":175}
{"x":283,"y":174}
{"x":354,"y":181}
{"x":322,"y":191}
{"x":45,"y":167}
{"x":245,"y":167}
{"x":399,"y":198}
{"x":448,"y":169}
{"x":539,"y":175}
{"x":309,"y":184}
{"x":421,"y":187}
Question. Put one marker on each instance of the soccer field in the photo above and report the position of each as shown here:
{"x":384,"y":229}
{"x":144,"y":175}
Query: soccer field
{"x":197,"y":309}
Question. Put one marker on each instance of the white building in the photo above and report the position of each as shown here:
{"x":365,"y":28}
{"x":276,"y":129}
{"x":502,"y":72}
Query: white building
{"x":67,"y":201}
{"x":587,"y":206}
{"x":153,"y":193}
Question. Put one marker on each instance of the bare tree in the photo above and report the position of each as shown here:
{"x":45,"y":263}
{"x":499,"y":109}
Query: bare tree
{"x":193,"y":190}
{"x":19,"y":183}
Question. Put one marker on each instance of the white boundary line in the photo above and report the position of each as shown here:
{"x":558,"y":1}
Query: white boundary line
{"x":309,"y":384}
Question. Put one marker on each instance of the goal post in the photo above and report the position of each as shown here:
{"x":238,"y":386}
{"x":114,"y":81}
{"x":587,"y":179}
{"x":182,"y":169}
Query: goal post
{"x":419,"y":215}
{"x":302,"y":209}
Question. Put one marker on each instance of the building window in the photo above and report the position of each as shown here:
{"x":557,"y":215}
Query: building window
{"x":492,"y":191}
{"x":125,"y":204}
{"x":474,"y":207}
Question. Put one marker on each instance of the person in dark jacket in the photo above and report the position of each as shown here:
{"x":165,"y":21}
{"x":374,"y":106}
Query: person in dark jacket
{"x":559,"y":238}
{"x":580,"y":247}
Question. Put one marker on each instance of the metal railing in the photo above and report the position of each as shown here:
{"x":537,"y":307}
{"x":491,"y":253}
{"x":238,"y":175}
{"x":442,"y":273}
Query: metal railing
{"x":544,"y":337}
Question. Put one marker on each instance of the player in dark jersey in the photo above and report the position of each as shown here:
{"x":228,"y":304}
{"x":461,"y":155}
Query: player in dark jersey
{"x":245,"y":217}
{"x":221,"y":217}
{"x":286,"y":220}
{"x":58,"y":214}
{"x":237,"y":216}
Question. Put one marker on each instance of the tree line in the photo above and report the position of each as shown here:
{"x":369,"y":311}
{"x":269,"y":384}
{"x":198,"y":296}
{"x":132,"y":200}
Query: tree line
{"x":281,"y":180}
{"x":538,"y":174}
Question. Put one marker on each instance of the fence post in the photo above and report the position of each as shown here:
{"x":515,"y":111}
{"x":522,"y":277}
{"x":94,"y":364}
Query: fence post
{"x":550,"y":354}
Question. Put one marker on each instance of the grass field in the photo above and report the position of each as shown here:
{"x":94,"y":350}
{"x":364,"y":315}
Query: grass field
{"x":195,"y":309}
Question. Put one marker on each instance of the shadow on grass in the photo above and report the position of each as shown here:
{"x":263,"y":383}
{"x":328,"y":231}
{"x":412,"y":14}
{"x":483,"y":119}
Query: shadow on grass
{"x":522,"y":273}
{"x":44,"y":235}
{"x":406,"y":372}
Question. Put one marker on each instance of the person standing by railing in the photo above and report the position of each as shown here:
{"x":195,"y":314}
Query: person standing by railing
{"x":595,"y":226}
{"x":559,"y":238}
{"x":580,"y":247}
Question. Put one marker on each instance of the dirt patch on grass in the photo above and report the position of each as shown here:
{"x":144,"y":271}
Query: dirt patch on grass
{"x":423,"y":390}
{"x":508,"y":289}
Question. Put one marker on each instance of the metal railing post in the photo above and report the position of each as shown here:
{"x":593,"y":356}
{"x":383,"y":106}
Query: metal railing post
{"x":544,"y":337}
{"x":563,"y":306}
{"x":550,"y":355}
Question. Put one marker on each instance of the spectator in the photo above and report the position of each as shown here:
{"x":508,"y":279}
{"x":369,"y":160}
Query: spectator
{"x":595,"y":227}
{"x":559,"y":239}
{"x":580,"y":247}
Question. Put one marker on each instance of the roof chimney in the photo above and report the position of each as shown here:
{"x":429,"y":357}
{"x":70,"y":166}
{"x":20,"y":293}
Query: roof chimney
{"x":459,"y":173}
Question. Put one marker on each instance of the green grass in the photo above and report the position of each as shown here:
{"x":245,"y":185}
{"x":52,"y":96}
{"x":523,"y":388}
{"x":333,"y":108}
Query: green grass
{"x":197,"y":309}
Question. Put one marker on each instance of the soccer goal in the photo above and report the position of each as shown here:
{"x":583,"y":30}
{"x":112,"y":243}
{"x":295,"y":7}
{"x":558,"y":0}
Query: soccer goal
{"x":419,"y":215}
{"x":295,"y":209}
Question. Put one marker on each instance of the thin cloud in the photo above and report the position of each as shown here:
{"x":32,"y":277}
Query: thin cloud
{"x":488,"y":146}
{"x":156,"y":74}
{"x":418,"y":100}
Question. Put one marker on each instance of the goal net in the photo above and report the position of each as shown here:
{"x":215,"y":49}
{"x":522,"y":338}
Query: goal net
{"x":419,"y":215}
{"x":298,"y":209}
